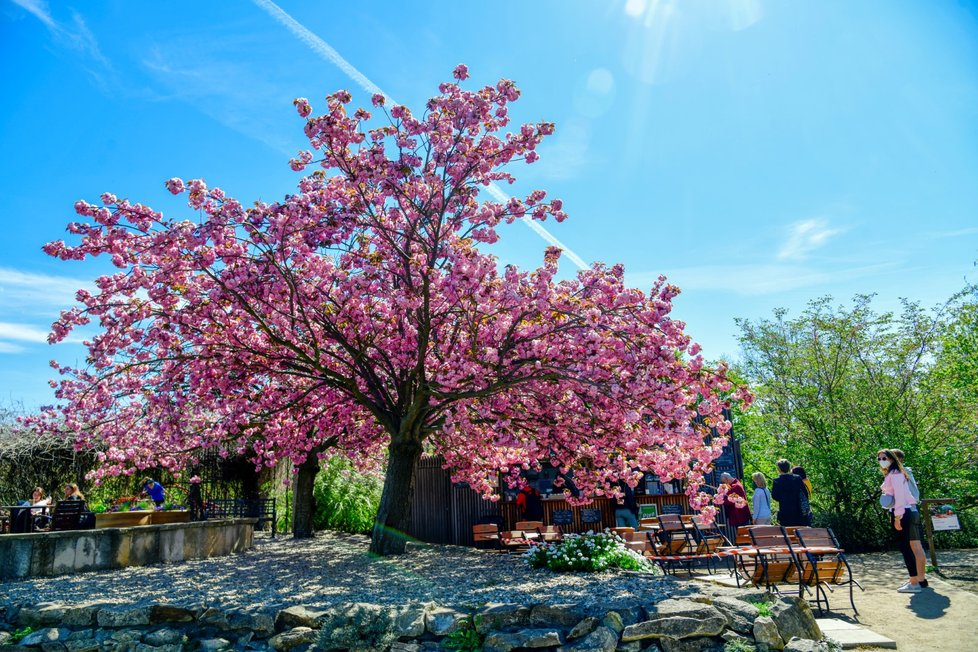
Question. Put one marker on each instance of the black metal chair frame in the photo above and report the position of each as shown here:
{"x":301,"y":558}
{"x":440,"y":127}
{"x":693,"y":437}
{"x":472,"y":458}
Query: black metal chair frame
{"x":820,"y":584}
{"x":261,"y":508}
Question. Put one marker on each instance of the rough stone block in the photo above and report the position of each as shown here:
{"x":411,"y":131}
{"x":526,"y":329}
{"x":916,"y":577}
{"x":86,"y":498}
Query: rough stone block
{"x":164,"y":636}
{"x":565,"y":615}
{"x":299,"y":616}
{"x":293,"y":638}
{"x":766,"y":633}
{"x":500,"y":616}
{"x":677,"y":619}
{"x":442,"y":621}
{"x":44,"y":614}
{"x":794,"y":617}
{"x":45,"y":636}
{"x":583,"y":628}
{"x":124,"y":617}
{"x":601,"y":639}
{"x":740,"y":615}
{"x":165,"y":613}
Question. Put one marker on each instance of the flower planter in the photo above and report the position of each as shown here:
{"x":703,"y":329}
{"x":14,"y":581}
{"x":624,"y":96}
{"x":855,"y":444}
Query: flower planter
{"x":170,"y":516}
{"x":123,"y":519}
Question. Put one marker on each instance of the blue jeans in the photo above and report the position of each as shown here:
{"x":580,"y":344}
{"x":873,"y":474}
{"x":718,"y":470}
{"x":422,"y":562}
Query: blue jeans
{"x":625,"y":518}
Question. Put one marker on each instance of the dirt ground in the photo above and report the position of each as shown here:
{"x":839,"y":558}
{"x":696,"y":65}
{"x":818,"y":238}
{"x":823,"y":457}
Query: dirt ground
{"x":942,"y":618}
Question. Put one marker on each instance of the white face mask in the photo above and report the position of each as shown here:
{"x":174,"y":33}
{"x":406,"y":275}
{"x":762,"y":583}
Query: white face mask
{"x":885,"y":464}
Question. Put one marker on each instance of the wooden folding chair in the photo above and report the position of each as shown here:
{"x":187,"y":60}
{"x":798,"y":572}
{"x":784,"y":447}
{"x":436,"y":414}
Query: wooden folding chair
{"x":514,"y":540}
{"x":822,"y":564}
{"x":528,"y":526}
{"x":671,"y":545}
{"x":486,"y":536}
{"x":776,"y":558}
{"x":710,"y":543}
{"x":550,"y":533}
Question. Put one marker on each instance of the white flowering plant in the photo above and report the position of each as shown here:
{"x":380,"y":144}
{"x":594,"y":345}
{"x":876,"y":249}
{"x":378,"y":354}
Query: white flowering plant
{"x":593,"y":551}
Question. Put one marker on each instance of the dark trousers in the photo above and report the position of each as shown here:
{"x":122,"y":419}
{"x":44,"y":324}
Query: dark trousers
{"x":903,"y":537}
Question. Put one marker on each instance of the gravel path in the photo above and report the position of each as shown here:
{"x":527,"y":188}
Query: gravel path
{"x":335,"y":568}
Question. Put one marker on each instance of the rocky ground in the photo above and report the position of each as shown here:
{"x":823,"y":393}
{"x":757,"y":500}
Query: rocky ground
{"x":335,"y":568}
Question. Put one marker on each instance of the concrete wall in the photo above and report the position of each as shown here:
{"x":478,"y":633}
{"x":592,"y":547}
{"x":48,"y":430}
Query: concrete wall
{"x":59,"y":553}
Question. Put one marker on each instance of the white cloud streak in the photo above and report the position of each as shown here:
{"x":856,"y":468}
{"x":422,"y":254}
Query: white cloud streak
{"x":77,"y":37}
{"x":761,"y":279}
{"x":804,"y":237}
{"x":37,"y":292}
{"x":22,"y":332}
{"x":327,"y":52}
{"x":39,"y":9}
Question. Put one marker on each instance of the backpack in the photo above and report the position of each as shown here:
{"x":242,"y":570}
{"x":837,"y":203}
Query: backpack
{"x":912,"y":484}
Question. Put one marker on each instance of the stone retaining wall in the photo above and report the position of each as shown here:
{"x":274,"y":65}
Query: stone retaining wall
{"x":705,"y":623}
{"x":56,"y":553}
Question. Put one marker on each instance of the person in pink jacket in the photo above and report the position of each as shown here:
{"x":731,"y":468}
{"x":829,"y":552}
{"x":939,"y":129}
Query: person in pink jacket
{"x":904,"y":518}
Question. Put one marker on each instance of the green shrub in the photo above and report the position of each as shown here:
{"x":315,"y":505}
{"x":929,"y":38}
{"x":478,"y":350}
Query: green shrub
{"x":464,"y":639}
{"x":586,"y":552}
{"x":764,"y":608}
{"x":346,"y":500}
{"x":739,"y":645}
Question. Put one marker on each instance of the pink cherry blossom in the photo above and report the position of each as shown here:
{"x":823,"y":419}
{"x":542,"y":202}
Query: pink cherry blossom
{"x":365,"y":313}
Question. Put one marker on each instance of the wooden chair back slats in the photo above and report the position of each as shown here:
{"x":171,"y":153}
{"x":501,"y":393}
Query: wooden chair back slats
{"x":528,"y":526}
{"x":550,"y":533}
{"x":67,"y":514}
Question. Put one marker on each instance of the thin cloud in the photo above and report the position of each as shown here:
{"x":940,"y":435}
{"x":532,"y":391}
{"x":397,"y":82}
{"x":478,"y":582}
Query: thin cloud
{"x":806,"y":236}
{"x":225,"y":90}
{"x":22,"y":332}
{"x":39,"y":293}
{"x":754,"y":280}
{"x":6,"y":347}
{"x":39,"y":9}
{"x":940,"y":235}
{"x":327,"y":52}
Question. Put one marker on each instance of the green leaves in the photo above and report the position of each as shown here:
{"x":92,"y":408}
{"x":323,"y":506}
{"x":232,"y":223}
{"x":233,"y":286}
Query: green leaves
{"x":837,"y":383}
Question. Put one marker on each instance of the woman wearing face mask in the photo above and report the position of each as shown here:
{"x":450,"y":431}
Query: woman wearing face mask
{"x":904,"y":519}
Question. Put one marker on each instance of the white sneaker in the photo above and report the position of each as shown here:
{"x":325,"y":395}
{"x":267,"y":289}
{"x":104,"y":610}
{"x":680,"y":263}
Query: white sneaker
{"x":909,"y":588}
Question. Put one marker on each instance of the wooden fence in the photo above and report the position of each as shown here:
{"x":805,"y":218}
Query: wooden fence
{"x":445,"y":513}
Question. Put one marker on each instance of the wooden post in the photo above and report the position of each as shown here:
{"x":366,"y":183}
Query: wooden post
{"x":929,"y":524}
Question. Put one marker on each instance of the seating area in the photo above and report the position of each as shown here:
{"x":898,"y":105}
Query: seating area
{"x":806,"y":559}
{"x":488,"y":535}
{"x":262,"y":509}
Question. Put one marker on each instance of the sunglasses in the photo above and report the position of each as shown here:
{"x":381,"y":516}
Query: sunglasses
{"x":883,"y":457}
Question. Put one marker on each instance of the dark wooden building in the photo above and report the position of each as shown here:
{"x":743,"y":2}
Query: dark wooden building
{"x":444,"y":512}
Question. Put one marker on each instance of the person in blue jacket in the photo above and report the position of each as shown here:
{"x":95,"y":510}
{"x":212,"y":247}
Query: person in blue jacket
{"x":154,"y":490}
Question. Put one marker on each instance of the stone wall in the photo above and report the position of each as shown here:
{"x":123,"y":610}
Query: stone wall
{"x":702,"y":624}
{"x":57,"y":553}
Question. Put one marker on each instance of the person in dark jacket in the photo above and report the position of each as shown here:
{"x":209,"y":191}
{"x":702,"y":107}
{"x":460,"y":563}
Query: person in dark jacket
{"x":789,"y":490}
{"x":529,"y":503}
{"x":626,"y":507}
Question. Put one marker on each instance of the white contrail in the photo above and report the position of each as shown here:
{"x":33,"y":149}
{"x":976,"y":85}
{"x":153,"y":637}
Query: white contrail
{"x":323,"y":49}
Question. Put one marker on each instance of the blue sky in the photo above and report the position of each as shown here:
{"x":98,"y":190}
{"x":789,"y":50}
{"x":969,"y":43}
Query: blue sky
{"x":758,"y":153}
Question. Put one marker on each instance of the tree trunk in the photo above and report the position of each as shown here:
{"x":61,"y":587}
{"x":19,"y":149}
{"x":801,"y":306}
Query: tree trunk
{"x":305,"y":502}
{"x":390,"y":525}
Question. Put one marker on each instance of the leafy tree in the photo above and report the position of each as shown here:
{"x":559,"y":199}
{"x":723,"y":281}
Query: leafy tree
{"x":836,"y":384}
{"x":360,"y":314}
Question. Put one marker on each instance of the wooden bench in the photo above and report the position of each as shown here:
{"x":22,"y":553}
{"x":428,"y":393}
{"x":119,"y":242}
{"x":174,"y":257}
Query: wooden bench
{"x":262,"y":509}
